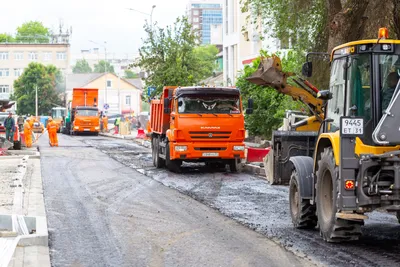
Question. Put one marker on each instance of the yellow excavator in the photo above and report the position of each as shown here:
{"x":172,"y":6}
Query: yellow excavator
{"x":351,"y":164}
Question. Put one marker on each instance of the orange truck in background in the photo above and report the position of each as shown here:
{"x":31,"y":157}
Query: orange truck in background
{"x":83,"y":113}
{"x":198,"y":124}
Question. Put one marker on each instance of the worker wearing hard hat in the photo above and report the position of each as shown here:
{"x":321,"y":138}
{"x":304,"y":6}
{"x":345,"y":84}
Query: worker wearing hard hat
{"x":105,"y":123}
{"x":52,"y":128}
{"x":28,"y":133}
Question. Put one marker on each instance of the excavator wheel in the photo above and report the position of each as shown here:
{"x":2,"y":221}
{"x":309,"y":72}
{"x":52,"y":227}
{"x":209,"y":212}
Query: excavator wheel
{"x":332,"y":229}
{"x":301,"y":210}
{"x":172,"y":165}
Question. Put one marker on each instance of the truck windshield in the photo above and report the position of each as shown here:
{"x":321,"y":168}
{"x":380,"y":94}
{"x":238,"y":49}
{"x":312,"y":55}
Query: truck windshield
{"x":215,"y":104}
{"x":58,"y":113}
{"x":86,"y":112}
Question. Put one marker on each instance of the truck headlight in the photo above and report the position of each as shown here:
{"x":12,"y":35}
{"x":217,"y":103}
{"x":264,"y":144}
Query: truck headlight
{"x":76,"y":127}
{"x":180,"y":148}
{"x":97,"y":128}
{"x":238,"y":148}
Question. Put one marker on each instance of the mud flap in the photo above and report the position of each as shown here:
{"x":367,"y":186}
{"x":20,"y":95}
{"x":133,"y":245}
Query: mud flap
{"x":304,"y":168}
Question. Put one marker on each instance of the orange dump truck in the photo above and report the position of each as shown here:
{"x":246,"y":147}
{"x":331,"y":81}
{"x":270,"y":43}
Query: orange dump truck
{"x":83,"y":113}
{"x":198,"y":124}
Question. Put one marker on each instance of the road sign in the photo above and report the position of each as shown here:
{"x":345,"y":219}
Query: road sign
{"x":106,"y":106}
{"x":150,"y":90}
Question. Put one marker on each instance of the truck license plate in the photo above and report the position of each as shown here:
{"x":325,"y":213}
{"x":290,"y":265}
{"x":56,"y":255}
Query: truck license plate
{"x":86,"y":130}
{"x":210,"y":154}
{"x":351,"y":126}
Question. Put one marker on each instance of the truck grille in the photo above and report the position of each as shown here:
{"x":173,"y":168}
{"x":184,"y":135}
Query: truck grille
{"x":210,"y":148}
{"x":210,"y":135}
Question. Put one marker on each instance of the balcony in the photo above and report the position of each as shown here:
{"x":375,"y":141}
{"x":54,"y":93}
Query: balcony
{"x":4,"y":96}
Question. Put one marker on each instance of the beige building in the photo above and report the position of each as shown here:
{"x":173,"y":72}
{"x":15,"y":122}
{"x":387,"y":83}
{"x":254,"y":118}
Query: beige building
{"x":122,"y":96}
{"x":15,"y":57}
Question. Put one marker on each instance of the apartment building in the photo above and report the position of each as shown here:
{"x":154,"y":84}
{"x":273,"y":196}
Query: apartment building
{"x":241,"y":40}
{"x":15,"y":57}
{"x":205,"y":15}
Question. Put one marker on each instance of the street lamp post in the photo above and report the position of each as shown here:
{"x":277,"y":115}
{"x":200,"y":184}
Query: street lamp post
{"x":147,"y":14}
{"x":36,"y":101}
{"x":105,"y":68}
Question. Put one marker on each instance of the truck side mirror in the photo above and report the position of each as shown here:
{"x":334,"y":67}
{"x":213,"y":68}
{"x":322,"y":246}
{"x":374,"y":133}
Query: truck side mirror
{"x":307,"y":69}
{"x":167,"y":109}
{"x":249,"y":109}
{"x":324,"y":95}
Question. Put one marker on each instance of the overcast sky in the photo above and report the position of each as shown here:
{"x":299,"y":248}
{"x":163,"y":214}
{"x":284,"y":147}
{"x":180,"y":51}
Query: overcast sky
{"x":97,"y":20}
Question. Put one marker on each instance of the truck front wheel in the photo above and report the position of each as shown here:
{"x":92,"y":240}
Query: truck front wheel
{"x":235,"y":165}
{"x":332,"y":229}
{"x":172,"y":165}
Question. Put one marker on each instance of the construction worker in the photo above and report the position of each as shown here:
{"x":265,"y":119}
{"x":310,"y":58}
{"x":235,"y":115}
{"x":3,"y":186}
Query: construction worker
{"x":28,"y":133}
{"x":52,"y":128}
{"x":105,"y":123}
{"x":9,"y":124}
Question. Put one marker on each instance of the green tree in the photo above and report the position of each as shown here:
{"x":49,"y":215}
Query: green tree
{"x":130,"y":74}
{"x":33,"y":31}
{"x":269,"y":105}
{"x":4,"y":37}
{"x":171,"y":56}
{"x":81,"y":66}
{"x":206,"y":55}
{"x":45,"y":78}
{"x":103,"y":66}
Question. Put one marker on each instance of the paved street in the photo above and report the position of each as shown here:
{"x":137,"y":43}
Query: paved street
{"x":104,"y":213}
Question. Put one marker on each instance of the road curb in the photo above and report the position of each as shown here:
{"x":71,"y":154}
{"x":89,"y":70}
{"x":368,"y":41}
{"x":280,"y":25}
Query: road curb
{"x":35,"y":234}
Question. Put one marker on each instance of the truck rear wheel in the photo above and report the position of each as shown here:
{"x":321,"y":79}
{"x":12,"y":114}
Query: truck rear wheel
{"x":332,"y":229}
{"x":302,"y":212}
{"x":157,"y":161}
{"x":172,"y":165}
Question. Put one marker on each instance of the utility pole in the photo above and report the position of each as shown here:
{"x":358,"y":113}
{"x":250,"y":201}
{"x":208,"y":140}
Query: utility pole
{"x":36,"y":98}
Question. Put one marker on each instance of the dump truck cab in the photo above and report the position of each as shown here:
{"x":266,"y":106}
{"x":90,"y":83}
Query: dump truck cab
{"x":200,"y":124}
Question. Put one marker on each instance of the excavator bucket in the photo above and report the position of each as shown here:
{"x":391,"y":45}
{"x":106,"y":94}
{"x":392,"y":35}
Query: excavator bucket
{"x":269,"y":73}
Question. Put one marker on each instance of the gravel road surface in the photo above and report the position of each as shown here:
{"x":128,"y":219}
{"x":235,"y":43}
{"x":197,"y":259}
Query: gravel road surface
{"x":104,"y":213}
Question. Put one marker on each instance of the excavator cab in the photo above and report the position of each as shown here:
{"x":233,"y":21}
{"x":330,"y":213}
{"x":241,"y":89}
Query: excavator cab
{"x":355,"y":165}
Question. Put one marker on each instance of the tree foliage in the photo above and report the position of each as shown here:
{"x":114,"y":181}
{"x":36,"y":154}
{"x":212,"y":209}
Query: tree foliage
{"x":103,"y":66}
{"x":33,"y":31}
{"x":81,"y":66}
{"x":130,"y":75}
{"x":6,"y":38}
{"x":171,"y":56}
{"x":46,"y":78}
{"x":269,"y":105}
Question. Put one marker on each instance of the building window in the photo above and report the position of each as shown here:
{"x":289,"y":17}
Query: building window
{"x":33,"y":56}
{"x":195,"y":12}
{"x":18,"y":72}
{"x":18,"y":55}
{"x":4,"y":72}
{"x":47,"y":56}
{"x":195,"y":26}
{"x":3,"y":55}
{"x":196,"y":19}
{"x":109,"y":83}
{"x":4,"y":88}
{"x":128,"y":100}
{"x":61,"y":56}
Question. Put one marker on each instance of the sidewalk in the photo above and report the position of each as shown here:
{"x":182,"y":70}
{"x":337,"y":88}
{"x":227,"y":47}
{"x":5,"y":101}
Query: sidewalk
{"x":23,"y":223}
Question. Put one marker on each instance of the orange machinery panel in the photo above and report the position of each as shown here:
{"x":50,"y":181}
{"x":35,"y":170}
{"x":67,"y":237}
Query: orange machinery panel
{"x":158,"y":119}
{"x":85,"y":97}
